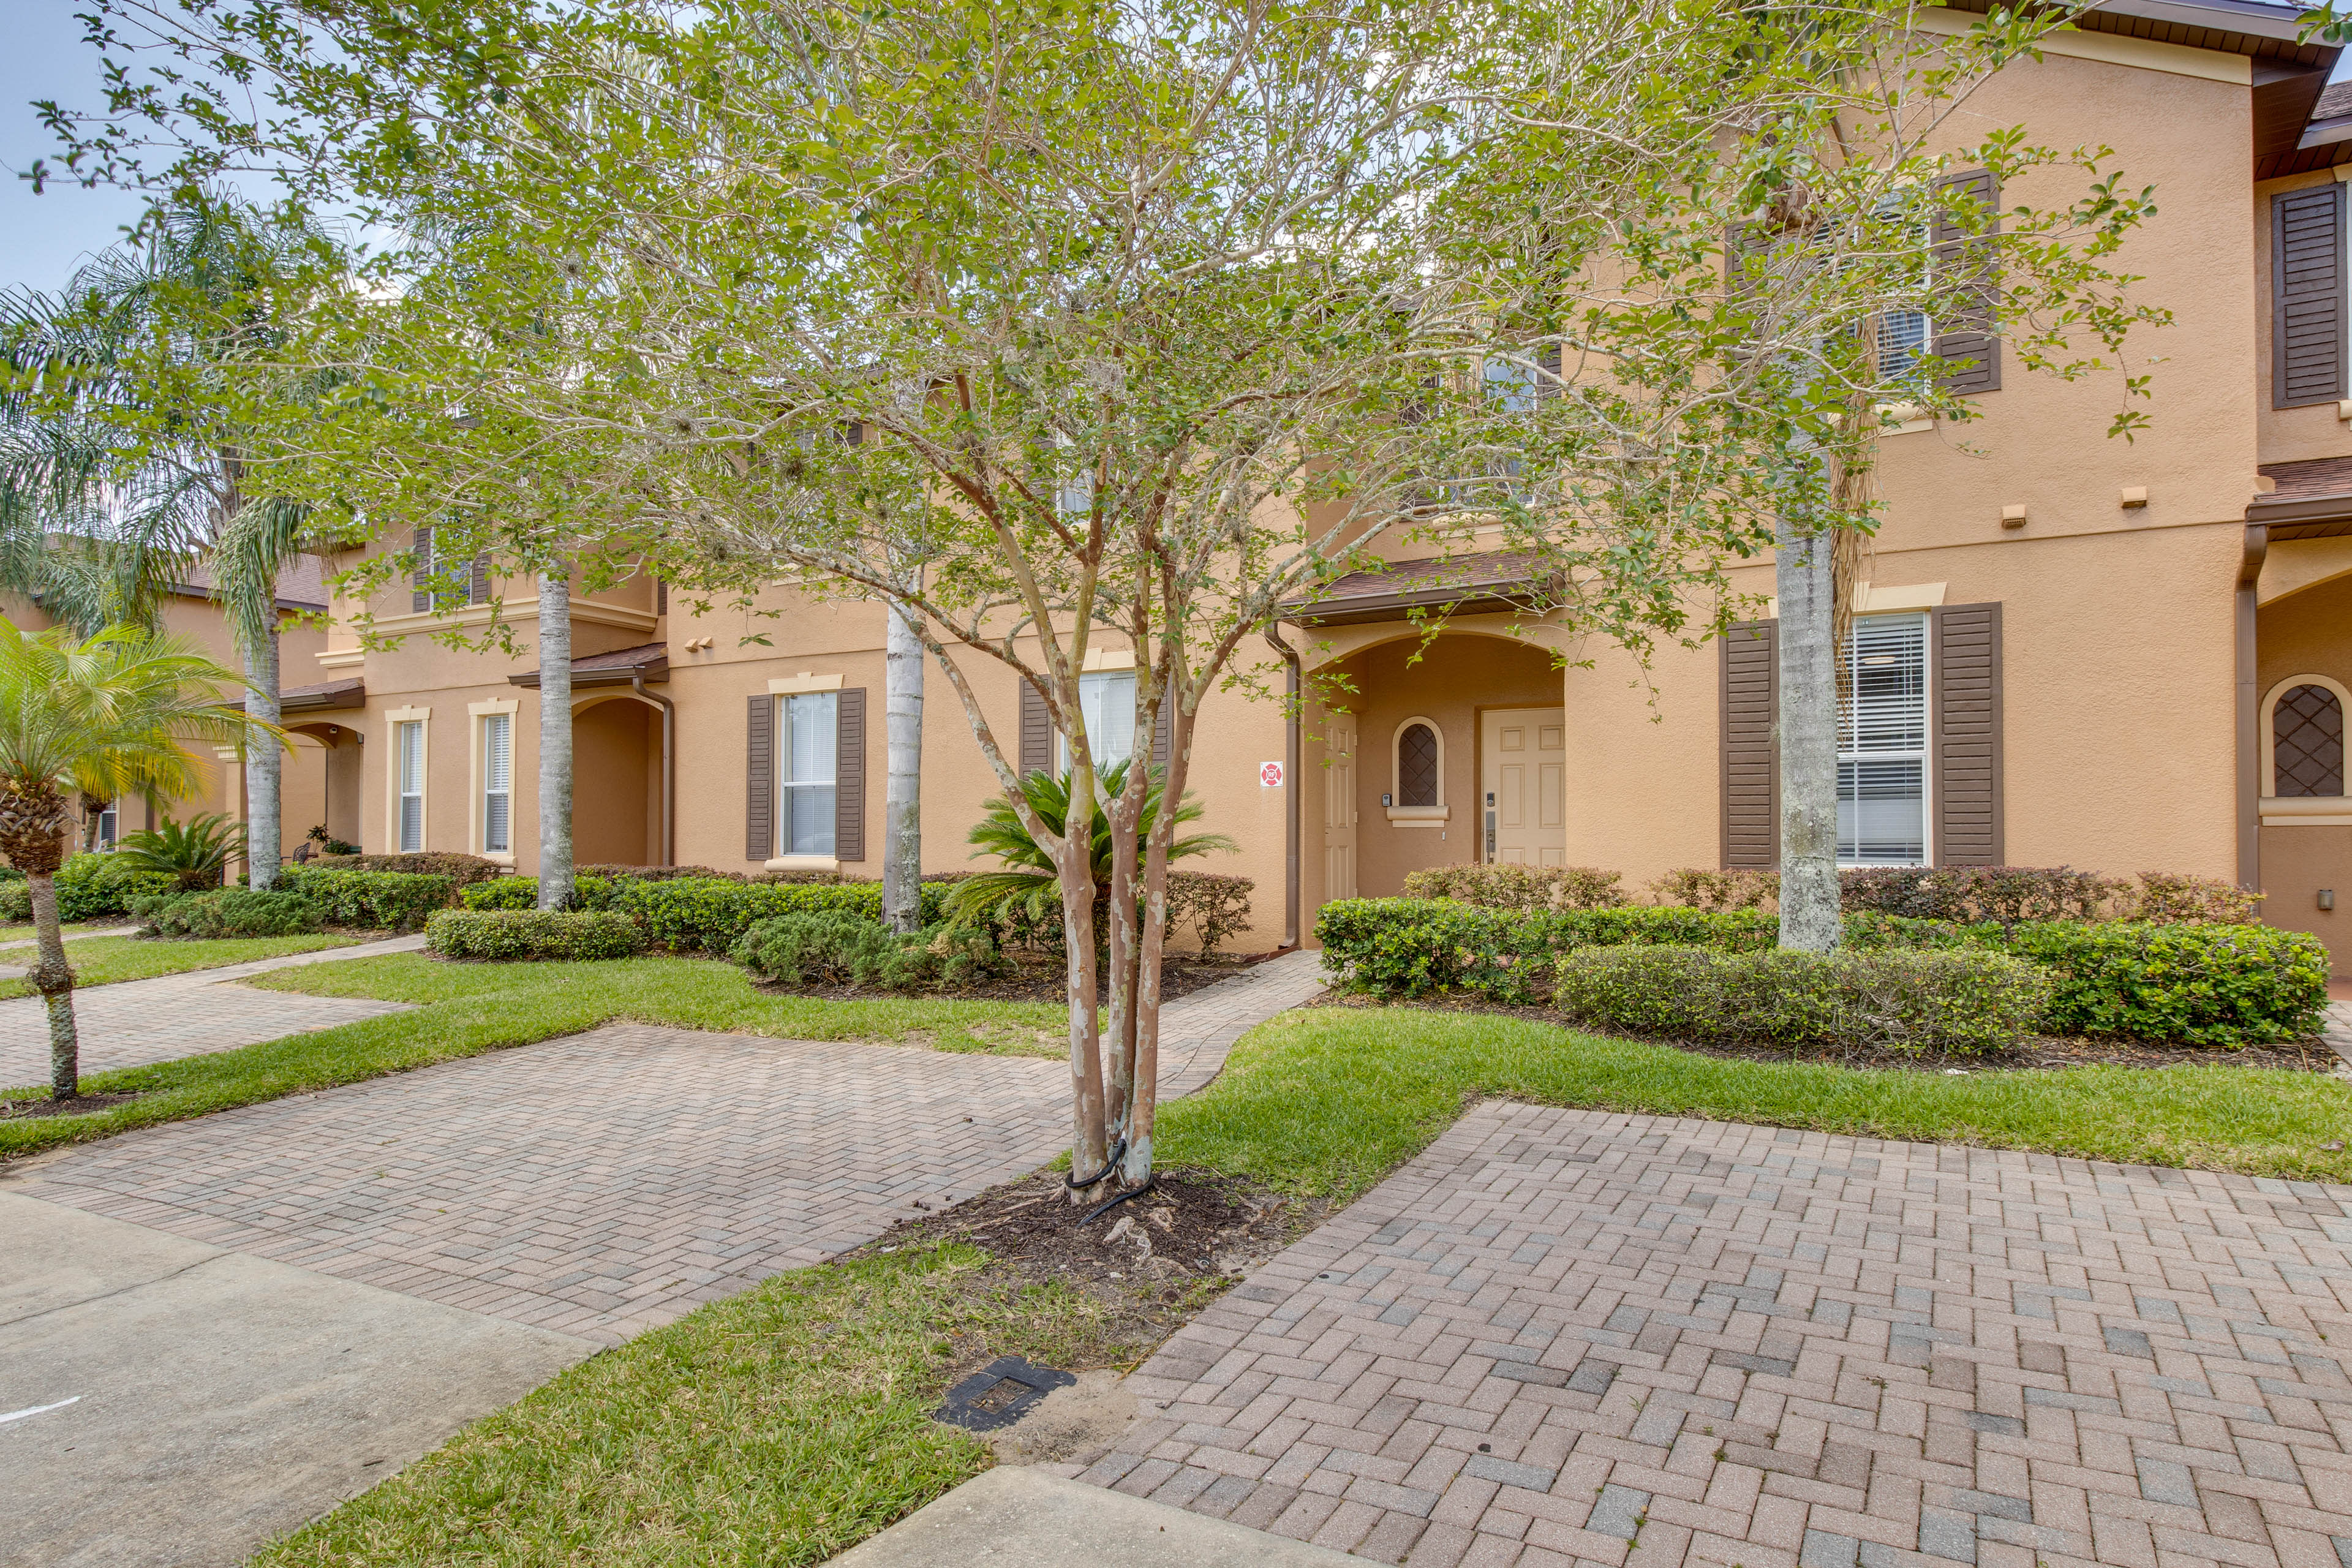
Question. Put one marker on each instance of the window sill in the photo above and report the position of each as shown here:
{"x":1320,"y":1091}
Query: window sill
{"x":802,"y":863}
{"x":499,"y":857}
{"x":1419,"y":816}
{"x":2307,"y":811}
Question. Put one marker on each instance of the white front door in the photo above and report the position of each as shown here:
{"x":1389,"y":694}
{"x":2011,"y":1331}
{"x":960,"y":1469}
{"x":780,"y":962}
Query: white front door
{"x":1339,"y":809}
{"x":1523,"y":757}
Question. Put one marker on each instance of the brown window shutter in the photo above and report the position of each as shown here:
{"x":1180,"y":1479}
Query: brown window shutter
{"x":1036,"y":732}
{"x":760,"y":782}
{"x":2308,"y":297}
{"x":1966,"y":341}
{"x":1163,"y":733}
{"x":420,"y":569}
{"x":478,"y":583}
{"x":849,"y":776}
{"x":1751,"y":762}
{"x":1964,"y":740}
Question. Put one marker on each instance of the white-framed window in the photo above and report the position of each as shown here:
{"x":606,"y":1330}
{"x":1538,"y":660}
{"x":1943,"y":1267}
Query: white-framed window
{"x":110,"y":828}
{"x":497,"y":784}
{"x":409,"y":760}
{"x":1882,"y":743}
{"x":1107,"y":703}
{"x":1905,"y":338}
{"x":809,"y":741}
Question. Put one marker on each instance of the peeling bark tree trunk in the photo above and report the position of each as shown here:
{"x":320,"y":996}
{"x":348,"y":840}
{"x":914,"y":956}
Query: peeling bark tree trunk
{"x":902,"y":790}
{"x":1074,"y":860}
{"x":1803,"y":574}
{"x":53,"y":978}
{"x":1151,"y":950}
{"x":1123,"y":814}
{"x":264,"y":766}
{"x":554,"y":741}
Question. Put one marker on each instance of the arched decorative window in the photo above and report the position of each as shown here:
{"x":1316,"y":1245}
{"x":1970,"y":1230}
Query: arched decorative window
{"x":2306,"y":738}
{"x":1420,"y":765}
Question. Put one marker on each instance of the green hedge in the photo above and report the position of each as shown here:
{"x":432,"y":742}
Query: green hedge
{"x":228,"y":911}
{"x":527,"y":934}
{"x":101,"y":887}
{"x":15,"y":903}
{"x":832,"y":947}
{"x":461,"y":870}
{"x":371,"y":900}
{"x":1964,"y":1000}
{"x":2198,"y":983}
{"x":522,"y":893}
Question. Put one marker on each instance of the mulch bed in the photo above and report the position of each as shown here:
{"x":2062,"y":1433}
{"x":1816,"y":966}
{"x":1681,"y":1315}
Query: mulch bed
{"x":1044,"y":979}
{"x":2041,"y":1052}
{"x":1153,"y":1261}
{"x":80,"y":1105}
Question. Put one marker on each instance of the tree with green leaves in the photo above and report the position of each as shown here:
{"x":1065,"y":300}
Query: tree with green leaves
{"x":1147,"y":319}
{"x":102,"y":716}
{"x":132,"y":418}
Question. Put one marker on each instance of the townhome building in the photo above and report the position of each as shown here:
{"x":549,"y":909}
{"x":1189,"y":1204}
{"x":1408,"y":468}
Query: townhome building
{"x":2075,"y":649}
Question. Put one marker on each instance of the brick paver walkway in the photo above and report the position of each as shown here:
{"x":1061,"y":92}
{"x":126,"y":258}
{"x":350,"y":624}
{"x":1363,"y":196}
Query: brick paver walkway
{"x":610,"y":1181}
{"x":1568,"y":1336}
{"x":2337,"y":1030}
{"x":135,"y":1022}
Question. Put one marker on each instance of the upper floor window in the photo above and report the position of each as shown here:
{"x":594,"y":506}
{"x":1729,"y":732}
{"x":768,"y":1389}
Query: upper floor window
{"x":807,"y":782}
{"x":2307,"y":310}
{"x":2307,"y":740}
{"x":1418,"y":759}
{"x":437,"y":582}
{"x":1882,"y":743}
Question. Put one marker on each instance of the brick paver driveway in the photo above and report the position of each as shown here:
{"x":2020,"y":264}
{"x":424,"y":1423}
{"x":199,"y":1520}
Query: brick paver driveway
{"x":604,"y":1183}
{"x":135,"y":1022}
{"x":1569,"y":1336}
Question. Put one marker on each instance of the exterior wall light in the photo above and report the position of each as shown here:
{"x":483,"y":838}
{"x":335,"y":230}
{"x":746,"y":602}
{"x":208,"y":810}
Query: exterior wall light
{"x":2014,"y":516}
{"x":2326,"y":898}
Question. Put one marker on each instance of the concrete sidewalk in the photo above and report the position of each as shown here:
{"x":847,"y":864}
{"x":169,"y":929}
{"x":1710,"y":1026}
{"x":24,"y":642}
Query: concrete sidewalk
{"x":165,"y":1404}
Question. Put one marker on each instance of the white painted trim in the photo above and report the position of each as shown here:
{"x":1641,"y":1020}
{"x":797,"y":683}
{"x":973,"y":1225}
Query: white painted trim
{"x":1875,"y":600}
{"x":2306,"y":811}
{"x":792,"y":685}
{"x":476,"y":775}
{"x":494,"y":705}
{"x":341,"y":657}
{"x":2292,"y":805}
{"x":1416,"y":815}
{"x":399,"y":715}
{"x":802,"y":863}
{"x":394,"y":720}
{"x":2113,"y":49}
{"x":1104,"y":659}
{"x":585,"y":611}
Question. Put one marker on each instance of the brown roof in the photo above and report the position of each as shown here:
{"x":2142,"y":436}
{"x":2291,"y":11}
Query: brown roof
{"x":1494,"y":580}
{"x":349,"y":693}
{"x":2313,"y":498}
{"x":614,"y":667}
{"x":302,"y":585}
{"x":2334,"y":100}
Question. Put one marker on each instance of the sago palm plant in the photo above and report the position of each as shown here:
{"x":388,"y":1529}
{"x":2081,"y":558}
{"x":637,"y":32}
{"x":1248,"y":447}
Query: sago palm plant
{"x":1028,"y":881}
{"x":109,"y":716}
{"x":197,"y":852}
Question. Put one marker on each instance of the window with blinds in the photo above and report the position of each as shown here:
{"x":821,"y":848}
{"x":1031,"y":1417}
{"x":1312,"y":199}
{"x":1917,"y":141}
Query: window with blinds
{"x":808,"y":757}
{"x":1882,"y":743}
{"x":411,"y":764}
{"x":497,"y":784}
{"x":1106,"y":704}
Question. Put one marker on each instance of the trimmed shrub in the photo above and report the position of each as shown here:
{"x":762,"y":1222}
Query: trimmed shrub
{"x":15,"y":901}
{"x":230,"y":912}
{"x":1411,"y":947}
{"x":705,"y":916}
{"x":610,"y":872}
{"x":2205,"y":984}
{"x":2007,"y":895}
{"x":1519,"y":887}
{"x":530,"y":935}
{"x":461,"y":870}
{"x":2165,"y":898}
{"x":1704,"y":889}
{"x":1912,"y":1002}
{"x":832,"y":947}
{"x":369,"y":900}
{"x":1215,"y":906}
{"x":100,"y":886}
{"x":522,"y":893}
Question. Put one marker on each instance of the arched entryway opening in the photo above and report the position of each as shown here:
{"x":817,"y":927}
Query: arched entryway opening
{"x":321,"y":781}
{"x":1433,"y":752}
{"x":620,"y":788}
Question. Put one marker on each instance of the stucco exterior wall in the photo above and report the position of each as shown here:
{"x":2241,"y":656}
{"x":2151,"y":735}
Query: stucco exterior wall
{"x":2304,"y":634}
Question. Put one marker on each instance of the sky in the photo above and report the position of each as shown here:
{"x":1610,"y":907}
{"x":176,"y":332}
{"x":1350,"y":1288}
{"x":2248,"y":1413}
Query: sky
{"x":43,"y":238}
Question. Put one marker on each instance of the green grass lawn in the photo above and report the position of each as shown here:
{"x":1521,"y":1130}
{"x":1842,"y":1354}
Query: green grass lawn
{"x":25,"y":933}
{"x":104,"y":960}
{"x":466,"y":1008}
{"x":778,"y":1426}
{"x":787,"y":1423}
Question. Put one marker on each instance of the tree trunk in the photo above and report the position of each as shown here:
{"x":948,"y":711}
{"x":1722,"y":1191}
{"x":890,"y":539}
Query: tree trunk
{"x":1803,"y":574}
{"x":54,"y":980}
{"x":1074,"y":861}
{"x":1143,"y":1106}
{"x":902,"y":793}
{"x":554,"y":739}
{"x":264,"y":766}
{"x":1123,"y":814}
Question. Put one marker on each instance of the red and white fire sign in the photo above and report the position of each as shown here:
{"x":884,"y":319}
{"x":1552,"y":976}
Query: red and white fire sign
{"x":1270,"y":775}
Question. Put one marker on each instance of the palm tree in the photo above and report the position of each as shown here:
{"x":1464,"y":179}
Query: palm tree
{"x":127,"y":444}
{"x":108,"y":715}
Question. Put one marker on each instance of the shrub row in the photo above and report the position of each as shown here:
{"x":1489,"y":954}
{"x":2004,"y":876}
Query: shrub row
{"x":701,"y":915}
{"x":227,"y":911}
{"x":834,"y":947}
{"x":511,"y":935}
{"x":461,"y":870}
{"x":1966,"y":1000}
{"x":372,"y":901}
{"x":101,"y":887}
{"x":2199,"y":983}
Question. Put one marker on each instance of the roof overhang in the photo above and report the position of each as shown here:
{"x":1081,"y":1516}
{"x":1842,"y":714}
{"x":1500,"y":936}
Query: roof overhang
{"x":652,"y":671}
{"x":1353,"y":610}
{"x":333,"y":696}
